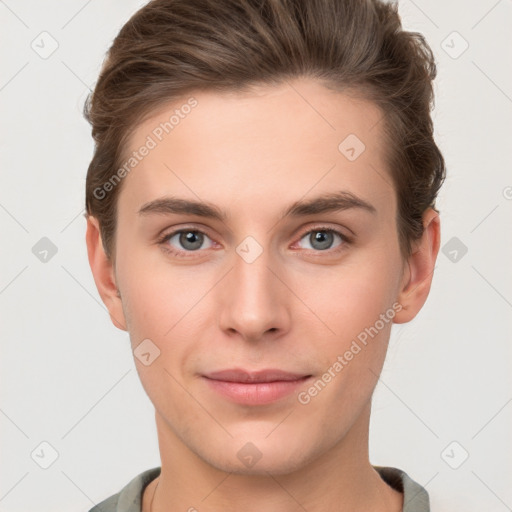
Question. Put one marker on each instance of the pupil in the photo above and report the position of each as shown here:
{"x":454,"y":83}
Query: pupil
{"x":321,"y":239}
{"x":191,"y":240}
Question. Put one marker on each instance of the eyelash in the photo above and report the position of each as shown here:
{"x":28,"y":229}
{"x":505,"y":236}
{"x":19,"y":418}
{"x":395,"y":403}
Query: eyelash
{"x":162,"y":241}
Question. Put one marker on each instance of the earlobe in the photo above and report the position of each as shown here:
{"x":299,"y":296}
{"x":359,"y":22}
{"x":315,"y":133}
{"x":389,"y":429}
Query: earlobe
{"x":103,"y":273}
{"x":420,"y":269}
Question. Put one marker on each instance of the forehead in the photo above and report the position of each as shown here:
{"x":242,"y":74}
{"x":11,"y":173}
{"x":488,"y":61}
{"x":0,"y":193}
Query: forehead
{"x":285,"y":140}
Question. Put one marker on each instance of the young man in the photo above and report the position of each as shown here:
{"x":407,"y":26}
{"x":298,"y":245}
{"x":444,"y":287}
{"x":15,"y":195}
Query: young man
{"x":260,"y":211}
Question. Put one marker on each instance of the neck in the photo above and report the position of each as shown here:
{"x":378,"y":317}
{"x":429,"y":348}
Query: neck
{"x":340,"y":479}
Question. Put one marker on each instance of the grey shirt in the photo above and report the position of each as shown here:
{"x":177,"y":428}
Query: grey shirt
{"x":129,"y":498}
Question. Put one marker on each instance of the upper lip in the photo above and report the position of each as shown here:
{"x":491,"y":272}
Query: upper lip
{"x":269,"y":375}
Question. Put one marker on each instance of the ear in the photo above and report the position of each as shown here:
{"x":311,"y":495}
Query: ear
{"x":419,"y":269}
{"x":103,"y":273}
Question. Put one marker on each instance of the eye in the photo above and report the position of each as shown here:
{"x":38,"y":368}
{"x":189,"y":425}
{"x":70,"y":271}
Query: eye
{"x":183,"y":241}
{"x":321,"y":239}
{"x":186,"y":240}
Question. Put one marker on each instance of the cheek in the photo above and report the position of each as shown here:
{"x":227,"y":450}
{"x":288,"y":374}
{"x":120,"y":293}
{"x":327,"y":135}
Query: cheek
{"x":156,"y":295}
{"x":168,"y":305}
{"x":350,"y":298}
{"x":358,"y":308}
{"x":358,"y":303}
{"x":162,"y":304}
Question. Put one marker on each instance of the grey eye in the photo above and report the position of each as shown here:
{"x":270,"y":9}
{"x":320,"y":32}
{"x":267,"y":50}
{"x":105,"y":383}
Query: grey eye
{"x":320,"y":239}
{"x":188,"y":240}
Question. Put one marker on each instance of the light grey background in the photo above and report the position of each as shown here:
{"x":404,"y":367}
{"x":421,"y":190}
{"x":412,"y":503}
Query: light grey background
{"x":68,"y":377}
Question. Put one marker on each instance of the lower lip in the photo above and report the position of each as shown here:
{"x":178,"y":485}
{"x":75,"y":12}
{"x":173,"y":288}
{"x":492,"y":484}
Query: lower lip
{"x":255,"y":393}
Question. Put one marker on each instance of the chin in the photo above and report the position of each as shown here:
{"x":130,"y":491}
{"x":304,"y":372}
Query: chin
{"x":258,"y":457}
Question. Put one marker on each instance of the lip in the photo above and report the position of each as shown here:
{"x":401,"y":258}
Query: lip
{"x":254,"y":388}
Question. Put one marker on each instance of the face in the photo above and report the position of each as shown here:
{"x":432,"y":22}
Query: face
{"x":294,"y":265}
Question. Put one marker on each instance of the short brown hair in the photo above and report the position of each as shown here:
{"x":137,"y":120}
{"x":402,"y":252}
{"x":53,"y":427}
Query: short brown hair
{"x":170,"y":48}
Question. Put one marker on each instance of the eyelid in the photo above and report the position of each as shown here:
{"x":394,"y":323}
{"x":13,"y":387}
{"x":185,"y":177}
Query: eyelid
{"x":325,"y":227}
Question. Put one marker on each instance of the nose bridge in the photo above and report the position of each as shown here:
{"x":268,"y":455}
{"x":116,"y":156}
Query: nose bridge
{"x":253,"y":301}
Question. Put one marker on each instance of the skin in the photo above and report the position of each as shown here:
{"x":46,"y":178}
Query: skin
{"x":296,"y":307}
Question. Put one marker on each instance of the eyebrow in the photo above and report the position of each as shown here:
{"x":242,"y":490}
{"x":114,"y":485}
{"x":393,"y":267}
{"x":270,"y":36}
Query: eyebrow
{"x":331,"y":202}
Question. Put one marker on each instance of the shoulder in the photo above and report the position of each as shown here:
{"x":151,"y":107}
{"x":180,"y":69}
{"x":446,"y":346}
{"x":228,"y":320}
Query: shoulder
{"x":129,"y":498}
{"x":416,"y":498}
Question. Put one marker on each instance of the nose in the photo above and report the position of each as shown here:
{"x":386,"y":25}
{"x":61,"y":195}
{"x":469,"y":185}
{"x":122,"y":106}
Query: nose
{"x":254,"y":301}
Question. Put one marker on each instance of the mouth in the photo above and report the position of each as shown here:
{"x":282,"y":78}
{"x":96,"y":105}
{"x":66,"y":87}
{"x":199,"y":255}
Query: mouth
{"x":254,"y":388}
